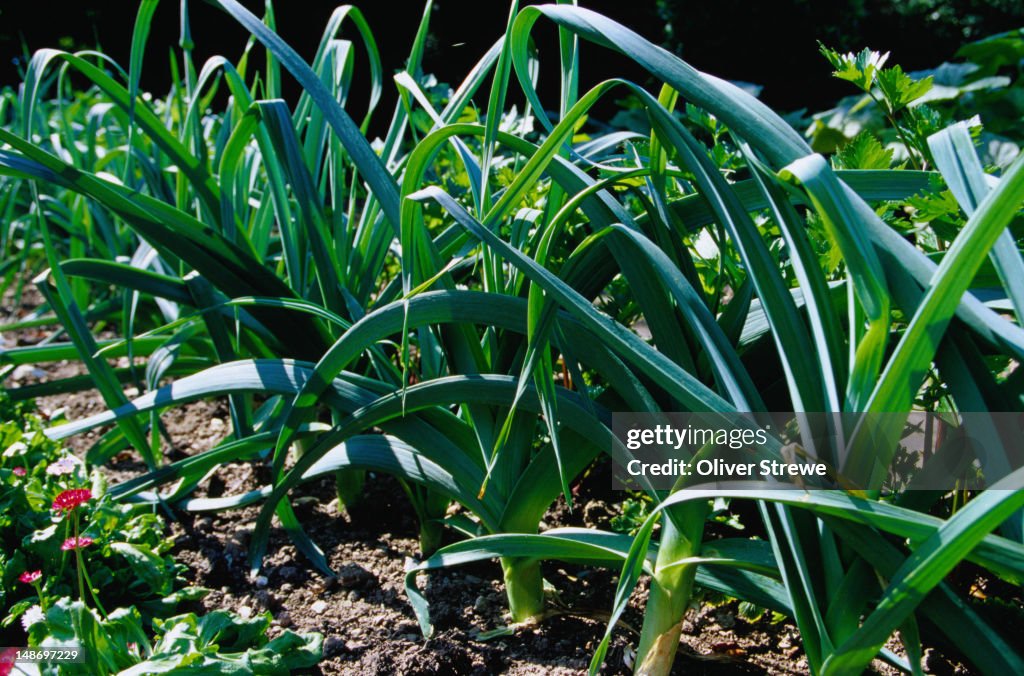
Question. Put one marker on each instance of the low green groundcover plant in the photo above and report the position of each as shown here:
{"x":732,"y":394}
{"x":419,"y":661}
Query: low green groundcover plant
{"x":463,"y":302}
{"x":83,"y":571}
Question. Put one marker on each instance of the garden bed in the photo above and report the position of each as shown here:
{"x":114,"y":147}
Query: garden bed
{"x":362,"y":613}
{"x":313,"y":400}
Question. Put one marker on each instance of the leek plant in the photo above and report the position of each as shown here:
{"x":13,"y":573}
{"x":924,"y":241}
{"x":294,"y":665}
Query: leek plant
{"x":461,"y":305}
{"x":880,"y":277}
{"x":882,"y":272}
{"x":300,"y":212}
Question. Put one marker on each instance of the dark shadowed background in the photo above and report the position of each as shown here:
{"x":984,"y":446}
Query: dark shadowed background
{"x":770,"y":43}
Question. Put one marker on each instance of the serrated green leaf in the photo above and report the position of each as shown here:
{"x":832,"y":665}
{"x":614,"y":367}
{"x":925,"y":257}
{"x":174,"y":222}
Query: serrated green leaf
{"x":860,"y":68}
{"x":863,"y":152}
{"x":899,"y":89}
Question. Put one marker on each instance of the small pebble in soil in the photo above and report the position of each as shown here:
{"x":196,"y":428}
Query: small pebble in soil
{"x":318,"y":607}
{"x":353,"y":596}
{"x":333,"y":645}
{"x":262,"y":581}
{"x":203,"y":566}
{"x":480,"y":606}
{"x":25,"y":371}
{"x":245,"y":612}
{"x":352,"y":575}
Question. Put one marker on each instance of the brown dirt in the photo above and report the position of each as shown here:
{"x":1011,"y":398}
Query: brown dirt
{"x":369,"y":627}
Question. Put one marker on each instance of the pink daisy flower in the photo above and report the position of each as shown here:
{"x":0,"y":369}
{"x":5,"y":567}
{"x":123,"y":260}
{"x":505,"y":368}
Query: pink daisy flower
{"x":80,"y":542}
{"x":68,"y":500}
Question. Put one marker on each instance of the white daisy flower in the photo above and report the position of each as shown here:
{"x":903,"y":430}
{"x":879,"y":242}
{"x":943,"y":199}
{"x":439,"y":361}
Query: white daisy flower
{"x":32,"y":616}
{"x":65,"y":465}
